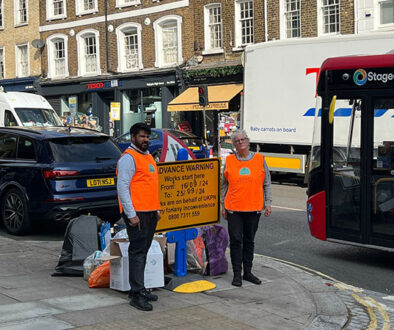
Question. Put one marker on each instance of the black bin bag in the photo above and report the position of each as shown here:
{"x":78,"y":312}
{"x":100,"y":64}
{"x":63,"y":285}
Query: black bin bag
{"x":80,"y":241}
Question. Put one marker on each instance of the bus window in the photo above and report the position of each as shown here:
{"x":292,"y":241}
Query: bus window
{"x":383,"y":167}
{"x":345,"y":165}
{"x":315,"y":152}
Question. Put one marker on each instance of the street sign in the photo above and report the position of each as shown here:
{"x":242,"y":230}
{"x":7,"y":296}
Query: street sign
{"x":114,"y":111}
{"x":189,"y":194}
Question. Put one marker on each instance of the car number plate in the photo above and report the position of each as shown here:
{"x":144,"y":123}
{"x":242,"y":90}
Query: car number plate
{"x":100,"y":182}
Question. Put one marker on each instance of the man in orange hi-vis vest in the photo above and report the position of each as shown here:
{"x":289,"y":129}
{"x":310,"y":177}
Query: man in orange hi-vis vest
{"x":138,"y":193}
{"x":246,"y":192}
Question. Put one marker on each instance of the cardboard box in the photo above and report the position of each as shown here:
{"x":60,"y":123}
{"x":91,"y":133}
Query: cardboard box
{"x":171,"y":253}
{"x":119,"y":266}
{"x":162,"y":241}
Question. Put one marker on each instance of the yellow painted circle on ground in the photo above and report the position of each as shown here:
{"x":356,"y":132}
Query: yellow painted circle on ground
{"x":196,"y":286}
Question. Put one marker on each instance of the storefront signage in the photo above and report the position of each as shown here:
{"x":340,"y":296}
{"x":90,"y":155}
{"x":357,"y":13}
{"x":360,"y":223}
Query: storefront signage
{"x":103,"y":84}
{"x":197,"y":107}
{"x":96,"y":85}
{"x":160,"y":83}
{"x":115,"y":111}
{"x":189,"y":194}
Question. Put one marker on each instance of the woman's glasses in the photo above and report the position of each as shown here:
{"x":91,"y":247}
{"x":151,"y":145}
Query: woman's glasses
{"x":239,"y":141}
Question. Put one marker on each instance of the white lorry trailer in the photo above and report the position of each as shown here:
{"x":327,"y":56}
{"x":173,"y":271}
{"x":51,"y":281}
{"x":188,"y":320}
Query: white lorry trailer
{"x":280,"y":92}
{"x":25,"y":109}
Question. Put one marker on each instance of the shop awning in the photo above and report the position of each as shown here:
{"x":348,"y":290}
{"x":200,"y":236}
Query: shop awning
{"x":219,"y":97}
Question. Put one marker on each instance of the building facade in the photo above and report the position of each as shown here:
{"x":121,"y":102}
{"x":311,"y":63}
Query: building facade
{"x":20,"y":57}
{"x":99,"y":52}
{"x":144,"y":53}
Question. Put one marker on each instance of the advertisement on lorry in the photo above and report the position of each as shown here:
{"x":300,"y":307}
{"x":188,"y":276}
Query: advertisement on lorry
{"x":280,"y":85}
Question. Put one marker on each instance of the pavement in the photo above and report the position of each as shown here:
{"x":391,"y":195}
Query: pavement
{"x":289,"y":297}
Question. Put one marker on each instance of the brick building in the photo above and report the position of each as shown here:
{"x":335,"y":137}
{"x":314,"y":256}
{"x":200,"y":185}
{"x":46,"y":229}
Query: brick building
{"x":98,"y":52}
{"x":20,"y":61}
{"x":143,"y":53}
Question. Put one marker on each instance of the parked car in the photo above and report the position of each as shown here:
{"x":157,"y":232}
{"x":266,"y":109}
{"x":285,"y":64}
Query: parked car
{"x":193,"y":142}
{"x":56,"y":173}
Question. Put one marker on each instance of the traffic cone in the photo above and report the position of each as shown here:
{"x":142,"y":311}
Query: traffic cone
{"x":211,"y":153}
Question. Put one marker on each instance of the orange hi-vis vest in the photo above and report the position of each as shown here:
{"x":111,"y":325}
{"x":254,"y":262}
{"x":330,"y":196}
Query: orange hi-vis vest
{"x":245,"y":183}
{"x":144,"y":185}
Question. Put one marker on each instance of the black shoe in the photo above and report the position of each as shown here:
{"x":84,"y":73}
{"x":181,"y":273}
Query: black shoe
{"x":237,"y":280}
{"x":251,"y":278}
{"x":149,"y":296}
{"x":140,"y":302}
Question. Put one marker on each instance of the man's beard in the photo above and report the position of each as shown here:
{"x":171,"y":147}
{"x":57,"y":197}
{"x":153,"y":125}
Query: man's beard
{"x":143,"y":146}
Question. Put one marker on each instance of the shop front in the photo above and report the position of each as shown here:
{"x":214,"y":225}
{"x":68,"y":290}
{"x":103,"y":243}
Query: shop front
{"x":92,"y":103}
{"x":222,"y":99}
{"x":19,"y":84}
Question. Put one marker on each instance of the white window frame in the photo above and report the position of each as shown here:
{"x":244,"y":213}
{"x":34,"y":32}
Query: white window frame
{"x":157,"y":28}
{"x":1,"y":14}
{"x":51,"y":58}
{"x":120,"y":34}
{"x":123,"y":3}
{"x":2,"y":52}
{"x":18,"y":59}
{"x":378,"y":25}
{"x":79,"y":8}
{"x":50,"y":8}
{"x":237,"y":26}
{"x":284,"y":20}
{"x":207,"y":31}
{"x":81,"y":52}
{"x":320,"y":23}
{"x":16,"y":13}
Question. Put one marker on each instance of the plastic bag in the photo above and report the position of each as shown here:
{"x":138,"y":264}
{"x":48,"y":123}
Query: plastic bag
{"x":216,"y":240}
{"x":100,"y":276}
{"x":196,"y":255}
{"x":105,"y":235}
{"x":122,"y":234}
{"x":92,"y":262}
{"x":80,"y":240}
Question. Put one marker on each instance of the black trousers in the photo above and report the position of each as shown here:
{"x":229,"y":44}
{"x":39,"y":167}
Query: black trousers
{"x":242,"y":228}
{"x":140,"y":241}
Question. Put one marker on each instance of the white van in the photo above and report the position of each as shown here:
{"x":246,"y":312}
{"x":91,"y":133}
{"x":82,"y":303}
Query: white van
{"x":25,"y":109}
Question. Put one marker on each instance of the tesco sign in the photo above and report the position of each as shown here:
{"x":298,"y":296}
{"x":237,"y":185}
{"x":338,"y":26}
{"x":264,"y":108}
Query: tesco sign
{"x":98,"y":85}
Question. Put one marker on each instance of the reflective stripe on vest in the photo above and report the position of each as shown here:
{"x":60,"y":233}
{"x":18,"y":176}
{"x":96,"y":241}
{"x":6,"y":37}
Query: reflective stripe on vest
{"x":144,"y":185}
{"x":245,"y":183}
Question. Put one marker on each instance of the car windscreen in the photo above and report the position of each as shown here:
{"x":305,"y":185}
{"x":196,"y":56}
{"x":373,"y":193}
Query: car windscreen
{"x":83,"y":149}
{"x":188,"y":138}
{"x":38,"y":117}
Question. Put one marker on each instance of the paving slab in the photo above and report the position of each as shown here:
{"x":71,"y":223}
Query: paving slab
{"x":82,"y":302}
{"x":40,"y":323}
{"x":25,"y":311}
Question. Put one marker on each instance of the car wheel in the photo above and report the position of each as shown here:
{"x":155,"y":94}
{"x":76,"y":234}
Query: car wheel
{"x":156,"y":155}
{"x":14,"y":212}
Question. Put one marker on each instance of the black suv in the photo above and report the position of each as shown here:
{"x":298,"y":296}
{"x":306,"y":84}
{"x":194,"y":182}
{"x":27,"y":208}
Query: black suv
{"x":56,"y":173}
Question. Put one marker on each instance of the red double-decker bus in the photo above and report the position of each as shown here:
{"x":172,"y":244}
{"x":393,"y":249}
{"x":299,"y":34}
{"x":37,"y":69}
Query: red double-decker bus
{"x":351,"y":171}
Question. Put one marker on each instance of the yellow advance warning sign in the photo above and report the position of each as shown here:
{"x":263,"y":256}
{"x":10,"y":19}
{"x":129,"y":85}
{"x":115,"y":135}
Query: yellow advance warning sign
{"x":189,"y":194}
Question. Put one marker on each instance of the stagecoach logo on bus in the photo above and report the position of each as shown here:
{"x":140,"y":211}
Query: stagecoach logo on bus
{"x":360,"y":77}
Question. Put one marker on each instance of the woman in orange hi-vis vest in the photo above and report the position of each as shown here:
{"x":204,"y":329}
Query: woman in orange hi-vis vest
{"x":138,"y":192}
{"x":246,"y":193}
